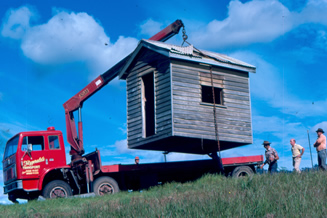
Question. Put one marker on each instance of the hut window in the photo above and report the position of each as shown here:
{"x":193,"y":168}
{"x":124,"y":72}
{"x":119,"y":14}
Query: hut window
{"x":148,"y":115}
{"x":207,"y":96}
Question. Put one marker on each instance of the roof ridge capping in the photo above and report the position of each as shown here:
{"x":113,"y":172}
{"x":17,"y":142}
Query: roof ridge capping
{"x":187,"y":50}
{"x":193,"y":52}
{"x":183,"y":50}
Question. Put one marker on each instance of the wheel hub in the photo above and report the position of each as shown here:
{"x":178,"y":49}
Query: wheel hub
{"x":105,"y":188}
{"x":58,"y":192}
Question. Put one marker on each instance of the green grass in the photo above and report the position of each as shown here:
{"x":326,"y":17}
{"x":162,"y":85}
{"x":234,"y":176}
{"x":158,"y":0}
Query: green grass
{"x":294,"y":195}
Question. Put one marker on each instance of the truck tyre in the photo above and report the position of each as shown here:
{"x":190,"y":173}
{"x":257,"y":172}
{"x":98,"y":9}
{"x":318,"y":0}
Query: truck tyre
{"x":242,"y":171}
{"x":105,"y":185}
{"x":57,"y":189}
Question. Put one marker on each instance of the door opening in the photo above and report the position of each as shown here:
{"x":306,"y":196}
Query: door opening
{"x":148,"y":105}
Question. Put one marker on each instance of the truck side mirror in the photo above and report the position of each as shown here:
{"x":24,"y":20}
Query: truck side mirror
{"x":29,"y":147}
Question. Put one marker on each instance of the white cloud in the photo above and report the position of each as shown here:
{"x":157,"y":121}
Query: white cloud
{"x":3,"y":198}
{"x":184,"y":157}
{"x":104,"y":58}
{"x":8,"y":130}
{"x":18,"y":22}
{"x":119,"y":153}
{"x":256,"y":21}
{"x":123,"y":129}
{"x":150,"y":27}
{"x":66,"y":38}
{"x":279,"y":131}
{"x":314,"y":12}
{"x":322,"y":125}
{"x":321,"y":39}
{"x":269,"y":86}
{"x":120,"y":148}
{"x":251,"y":22}
{"x":76,"y":37}
{"x":272,"y":124}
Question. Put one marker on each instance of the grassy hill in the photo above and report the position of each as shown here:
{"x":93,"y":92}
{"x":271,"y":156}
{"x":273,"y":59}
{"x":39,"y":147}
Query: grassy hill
{"x":295,"y":195}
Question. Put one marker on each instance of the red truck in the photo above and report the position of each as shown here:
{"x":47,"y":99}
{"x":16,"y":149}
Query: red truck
{"x":34,"y":163}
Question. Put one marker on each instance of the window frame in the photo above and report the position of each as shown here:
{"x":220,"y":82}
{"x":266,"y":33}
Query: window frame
{"x":221,"y":95}
{"x":57,"y":143}
{"x":27,"y":136}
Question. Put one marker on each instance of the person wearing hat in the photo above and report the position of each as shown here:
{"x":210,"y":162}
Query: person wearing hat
{"x":320,"y":146}
{"x":271,"y":157}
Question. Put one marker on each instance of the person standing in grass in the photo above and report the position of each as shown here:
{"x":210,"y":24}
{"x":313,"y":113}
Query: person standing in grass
{"x":297,"y":152}
{"x":271,"y":158}
{"x":217,"y":163}
{"x":320,"y":146}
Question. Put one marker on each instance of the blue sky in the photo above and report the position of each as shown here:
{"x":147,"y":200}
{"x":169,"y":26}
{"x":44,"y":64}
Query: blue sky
{"x":50,"y":50}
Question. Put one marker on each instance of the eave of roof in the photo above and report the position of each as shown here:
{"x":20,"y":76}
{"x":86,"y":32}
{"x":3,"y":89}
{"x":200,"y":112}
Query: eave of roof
{"x":188,"y":53}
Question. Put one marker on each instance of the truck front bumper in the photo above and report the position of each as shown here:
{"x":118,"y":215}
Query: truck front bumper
{"x":18,"y":184}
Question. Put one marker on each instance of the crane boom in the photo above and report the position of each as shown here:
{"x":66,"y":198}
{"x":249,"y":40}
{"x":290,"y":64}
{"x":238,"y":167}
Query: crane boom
{"x":76,"y":102}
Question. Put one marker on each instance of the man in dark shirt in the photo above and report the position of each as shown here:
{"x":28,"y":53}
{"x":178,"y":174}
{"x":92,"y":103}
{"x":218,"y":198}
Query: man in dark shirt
{"x":271,"y":157}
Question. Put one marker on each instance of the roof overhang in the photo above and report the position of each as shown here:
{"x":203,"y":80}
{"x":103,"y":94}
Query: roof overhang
{"x":180,"y":53}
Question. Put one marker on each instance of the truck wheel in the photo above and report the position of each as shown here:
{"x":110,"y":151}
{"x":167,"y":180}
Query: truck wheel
{"x":242,"y":171}
{"x":57,"y":189}
{"x":105,"y":185}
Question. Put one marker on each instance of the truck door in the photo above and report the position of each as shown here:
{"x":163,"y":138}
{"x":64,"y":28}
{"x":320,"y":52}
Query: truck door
{"x":56,"y":156}
{"x":33,"y":158}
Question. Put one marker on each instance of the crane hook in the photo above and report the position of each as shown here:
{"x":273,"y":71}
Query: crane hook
{"x":184,"y":34}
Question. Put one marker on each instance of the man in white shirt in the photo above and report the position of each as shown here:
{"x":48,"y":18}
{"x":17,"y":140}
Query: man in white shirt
{"x":297,"y":152}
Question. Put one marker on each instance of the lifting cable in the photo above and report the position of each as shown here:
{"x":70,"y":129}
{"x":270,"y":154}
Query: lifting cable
{"x":184,"y":36}
{"x":213,"y":93}
{"x":215,"y":111}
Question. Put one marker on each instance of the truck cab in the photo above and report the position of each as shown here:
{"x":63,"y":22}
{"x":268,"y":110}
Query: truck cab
{"x":28,"y":157}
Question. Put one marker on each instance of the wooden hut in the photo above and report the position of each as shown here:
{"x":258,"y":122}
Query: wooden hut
{"x":170,"y":104}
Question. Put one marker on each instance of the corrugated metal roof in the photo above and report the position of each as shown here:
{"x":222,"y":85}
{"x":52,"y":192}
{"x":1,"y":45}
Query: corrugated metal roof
{"x":189,"y":53}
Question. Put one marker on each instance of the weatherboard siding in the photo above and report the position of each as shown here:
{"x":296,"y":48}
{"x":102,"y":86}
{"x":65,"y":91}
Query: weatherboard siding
{"x":182,"y":121}
{"x":192,"y":118}
{"x":145,"y":63}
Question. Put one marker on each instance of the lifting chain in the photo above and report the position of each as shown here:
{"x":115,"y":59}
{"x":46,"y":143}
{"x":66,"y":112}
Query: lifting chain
{"x":184,"y":36}
{"x":215,"y":111}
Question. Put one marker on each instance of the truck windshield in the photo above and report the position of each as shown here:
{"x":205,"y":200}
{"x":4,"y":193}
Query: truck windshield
{"x":11,"y":147}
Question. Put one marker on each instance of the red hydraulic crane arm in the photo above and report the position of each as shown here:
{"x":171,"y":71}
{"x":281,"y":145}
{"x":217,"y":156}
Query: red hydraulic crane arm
{"x":76,"y":102}
{"x":168,"y":32}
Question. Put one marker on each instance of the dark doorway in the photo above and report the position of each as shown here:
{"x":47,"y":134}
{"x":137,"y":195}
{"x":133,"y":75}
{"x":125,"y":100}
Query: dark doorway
{"x":148,"y":105}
